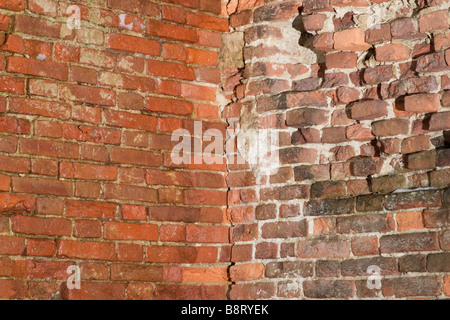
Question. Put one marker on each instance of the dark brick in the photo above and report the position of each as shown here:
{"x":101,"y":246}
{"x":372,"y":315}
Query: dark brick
{"x":287,"y":229}
{"x":265,"y":212}
{"x":409,"y":242}
{"x":327,"y":268}
{"x":302,"y":118}
{"x":412,"y":263}
{"x":369,"y":203}
{"x":437,"y":218}
{"x":363,"y":166}
{"x":366,"y":223}
{"x":438,"y":262}
{"x":358,"y":267}
{"x":411,"y":287}
{"x":317,"y":173}
{"x":289,"y":269}
{"x":328,"y":289}
{"x":409,"y":200}
{"x":328,"y":189}
{"x":330,"y":207}
{"x":387,"y":184}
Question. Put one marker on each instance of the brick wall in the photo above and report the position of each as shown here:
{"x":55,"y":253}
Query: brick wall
{"x":85,"y":140}
{"x":356,"y":90}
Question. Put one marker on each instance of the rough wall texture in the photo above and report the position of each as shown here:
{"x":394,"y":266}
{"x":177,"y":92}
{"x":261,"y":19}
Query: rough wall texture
{"x":362,"y":111}
{"x":357,"y":91}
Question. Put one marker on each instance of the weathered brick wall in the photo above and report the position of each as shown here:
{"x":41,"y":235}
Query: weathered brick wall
{"x":357,"y":91}
{"x":86,"y":174}
{"x":360,"y":99}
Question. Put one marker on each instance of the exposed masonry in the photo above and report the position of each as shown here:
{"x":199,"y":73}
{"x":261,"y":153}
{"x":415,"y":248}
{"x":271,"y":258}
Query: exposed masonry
{"x":360,"y":104}
{"x":358,"y":91}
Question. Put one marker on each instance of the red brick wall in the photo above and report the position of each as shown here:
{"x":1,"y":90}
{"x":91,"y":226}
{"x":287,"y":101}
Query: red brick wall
{"x":367,"y":119}
{"x":357,"y":91}
{"x":86,"y":174}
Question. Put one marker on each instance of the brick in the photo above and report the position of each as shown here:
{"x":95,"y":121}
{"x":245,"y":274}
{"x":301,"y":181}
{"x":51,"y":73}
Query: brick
{"x":39,"y":68}
{"x":42,"y":27}
{"x":379,"y":33}
{"x":301,"y":118}
{"x":90,"y":209}
{"x":365,"y":246}
{"x":86,"y":250}
{"x":350,"y":40}
{"x":40,"y":107}
{"x":87,"y":229}
{"x":415,"y":144}
{"x":87,"y":171}
{"x":392,"y":52}
{"x":323,"y":248}
{"x":12,"y":84}
{"x":391,"y":127}
{"x":12,"y":289}
{"x":86,"y":94}
{"x":181,"y":254}
{"x":284,"y":229}
{"x":440,"y":121}
{"x":261,"y":290}
{"x":123,"y":42}
{"x":409,"y":242}
{"x":12,"y":245}
{"x":369,"y":110}
{"x":289,"y":269}
{"x":247,"y":272}
{"x":328,"y":289}
{"x":358,"y":267}
{"x":14,"y":5}
{"x":422,"y":160}
{"x":14,"y":125}
{"x":95,"y":291}
{"x":170,"y":31}
{"x":125,"y":192}
{"x":42,"y":186}
{"x":341,"y":60}
{"x":437,"y":20}
{"x":422,"y":103}
{"x":329,"y":207}
{"x":410,"y":287}
{"x":41,"y":226}
{"x":130,"y":231}
{"x":438,"y":262}
{"x":366,"y":223}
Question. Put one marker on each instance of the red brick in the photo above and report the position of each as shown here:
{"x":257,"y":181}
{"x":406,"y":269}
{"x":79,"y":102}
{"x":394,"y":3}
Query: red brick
{"x":90,"y":209}
{"x":124,"y":192}
{"x":14,"y":5}
{"x":343,"y":60}
{"x":87,"y":171}
{"x":129,"y":252}
{"x":12,"y":289}
{"x":170,"y":31}
{"x":85,"y":94}
{"x":41,"y":226}
{"x":423,"y":103}
{"x":392,"y":52}
{"x":12,"y":84}
{"x":87,"y":229}
{"x":39,"y":68}
{"x":181,"y":254}
{"x":44,"y":167}
{"x":129,"y":231}
{"x":133,"y":44}
{"x":350,"y":40}
{"x":31,"y":48}
{"x":14,"y":125}
{"x":12,"y":245}
{"x":369,"y":110}
{"x":437,"y":20}
{"x":48,"y":148}
{"x":42,"y":186}
{"x":86,"y":250}
{"x":38,"y":247}
{"x":45,"y":108}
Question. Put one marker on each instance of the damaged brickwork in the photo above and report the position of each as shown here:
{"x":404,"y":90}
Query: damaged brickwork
{"x":358,"y":92}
